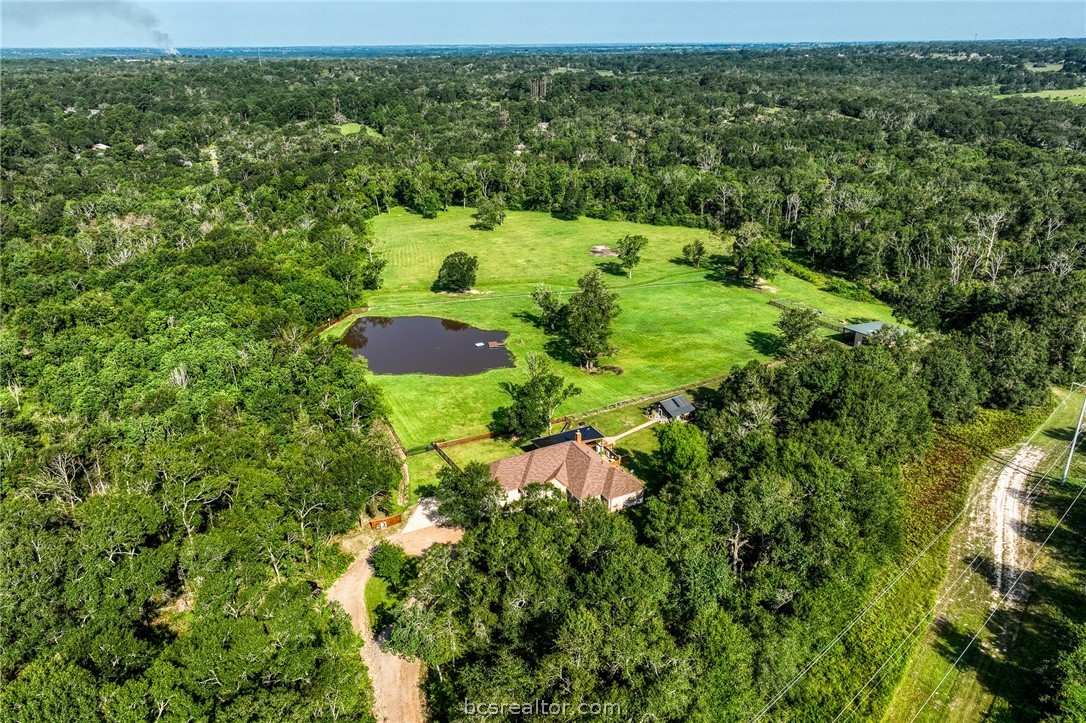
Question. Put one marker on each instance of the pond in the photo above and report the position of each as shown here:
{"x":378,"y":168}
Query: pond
{"x":426,"y":345}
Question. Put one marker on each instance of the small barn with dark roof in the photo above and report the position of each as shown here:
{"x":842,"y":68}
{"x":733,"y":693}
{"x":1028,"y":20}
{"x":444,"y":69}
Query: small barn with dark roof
{"x":677,"y":407}
{"x":587,"y":433}
{"x":855,"y":334}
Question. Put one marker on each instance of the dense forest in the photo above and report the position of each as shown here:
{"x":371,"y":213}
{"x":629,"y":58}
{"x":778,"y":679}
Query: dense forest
{"x":179,"y":450}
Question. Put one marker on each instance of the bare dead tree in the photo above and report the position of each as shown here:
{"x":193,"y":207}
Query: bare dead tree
{"x":737,"y":543}
{"x":709,"y":158}
{"x":958,"y":253}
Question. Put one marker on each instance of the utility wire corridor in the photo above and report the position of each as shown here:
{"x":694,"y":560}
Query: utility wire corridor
{"x":928,"y":617}
{"x":968,"y":506}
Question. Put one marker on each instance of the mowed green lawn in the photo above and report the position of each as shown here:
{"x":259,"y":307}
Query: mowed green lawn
{"x":678,"y":324}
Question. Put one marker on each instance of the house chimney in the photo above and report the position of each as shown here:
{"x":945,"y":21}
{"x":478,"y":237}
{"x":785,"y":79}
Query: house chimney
{"x":578,"y":435}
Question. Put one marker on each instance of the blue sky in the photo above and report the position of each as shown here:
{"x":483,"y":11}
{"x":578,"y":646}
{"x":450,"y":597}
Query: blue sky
{"x":48,"y":23}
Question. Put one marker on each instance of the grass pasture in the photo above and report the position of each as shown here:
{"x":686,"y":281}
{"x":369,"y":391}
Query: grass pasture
{"x":1044,"y":67}
{"x":678,"y":324}
{"x":352,"y":129}
{"x":1070,"y":95}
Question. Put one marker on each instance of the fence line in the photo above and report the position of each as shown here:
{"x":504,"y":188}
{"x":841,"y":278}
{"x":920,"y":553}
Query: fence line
{"x":787,"y":304}
{"x":325,"y":327}
{"x":442,"y":443}
{"x":646,"y":397}
{"x":441,"y":453}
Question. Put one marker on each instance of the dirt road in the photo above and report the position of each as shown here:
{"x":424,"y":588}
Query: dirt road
{"x":987,"y":556}
{"x":396,"y":695}
{"x":1008,"y":510}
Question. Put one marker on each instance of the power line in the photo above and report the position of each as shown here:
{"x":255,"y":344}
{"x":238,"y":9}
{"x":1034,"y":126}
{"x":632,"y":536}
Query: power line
{"x":924,"y":618}
{"x":837,"y":638}
{"x":1074,"y":441}
{"x":1002,"y":600}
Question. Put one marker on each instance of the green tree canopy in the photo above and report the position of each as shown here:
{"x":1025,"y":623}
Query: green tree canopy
{"x":534,"y":401}
{"x":799,"y":330}
{"x":629,"y":250}
{"x":694,"y":252}
{"x":490,"y":213}
{"x":757,"y":259}
{"x":457,"y":272}
{"x":589,"y":315}
{"x":468,"y":497}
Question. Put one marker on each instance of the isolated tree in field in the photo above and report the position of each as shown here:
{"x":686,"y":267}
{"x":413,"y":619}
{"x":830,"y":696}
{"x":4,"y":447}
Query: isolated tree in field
{"x":588,"y":318}
{"x":467,"y":497}
{"x":535,"y":401}
{"x":550,"y":308}
{"x":758,"y":259}
{"x":629,"y":252}
{"x":694,"y":252}
{"x":747,"y":233}
{"x":457,"y":272}
{"x":799,"y":331}
{"x":490,"y":213}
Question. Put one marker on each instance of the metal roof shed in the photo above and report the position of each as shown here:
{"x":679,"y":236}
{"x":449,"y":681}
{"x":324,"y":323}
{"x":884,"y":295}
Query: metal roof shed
{"x":588,"y":433}
{"x":675,"y":407}
{"x":856,"y":333}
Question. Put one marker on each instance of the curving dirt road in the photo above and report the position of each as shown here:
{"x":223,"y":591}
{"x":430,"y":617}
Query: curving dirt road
{"x":397,"y":697}
{"x":396,"y":694}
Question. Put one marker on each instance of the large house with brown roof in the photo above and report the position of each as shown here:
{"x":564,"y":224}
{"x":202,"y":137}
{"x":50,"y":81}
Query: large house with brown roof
{"x":578,"y":469}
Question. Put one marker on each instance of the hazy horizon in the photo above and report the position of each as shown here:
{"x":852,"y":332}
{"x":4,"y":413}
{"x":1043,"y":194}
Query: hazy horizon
{"x":255,"y":24}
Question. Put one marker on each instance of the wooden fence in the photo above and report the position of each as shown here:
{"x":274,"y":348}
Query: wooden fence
{"x":463,"y":440}
{"x":441,"y":453}
{"x":569,"y":420}
{"x":325,"y":327}
{"x":645,"y":398}
{"x":823,"y":320}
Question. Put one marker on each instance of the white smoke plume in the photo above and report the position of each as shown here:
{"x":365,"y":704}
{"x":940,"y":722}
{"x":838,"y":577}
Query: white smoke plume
{"x":33,"y":14}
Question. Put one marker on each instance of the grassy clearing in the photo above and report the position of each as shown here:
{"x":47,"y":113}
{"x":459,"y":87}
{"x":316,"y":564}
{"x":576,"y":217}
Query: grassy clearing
{"x":617,"y":421}
{"x":994,"y":681}
{"x":337,"y":330}
{"x":936,"y":486}
{"x":678,"y":325}
{"x":376,"y":594}
{"x":423,"y":470}
{"x":485,"y":451}
{"x":353,"y":129}
{"x":1044,"y":67}
{"x":1071,"y":95}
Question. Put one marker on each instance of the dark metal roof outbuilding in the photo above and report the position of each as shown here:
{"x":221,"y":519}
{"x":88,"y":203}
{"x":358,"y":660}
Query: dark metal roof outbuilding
{"x":588,"y":434}
{"x":676,"y":406}
{"x":867,"y":328}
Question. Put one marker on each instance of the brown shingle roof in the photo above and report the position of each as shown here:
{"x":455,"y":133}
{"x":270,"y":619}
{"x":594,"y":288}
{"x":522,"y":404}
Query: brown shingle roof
{"x":573,"y":464}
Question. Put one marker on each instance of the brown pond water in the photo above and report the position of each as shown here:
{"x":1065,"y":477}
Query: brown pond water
{"x":425,"y":345}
